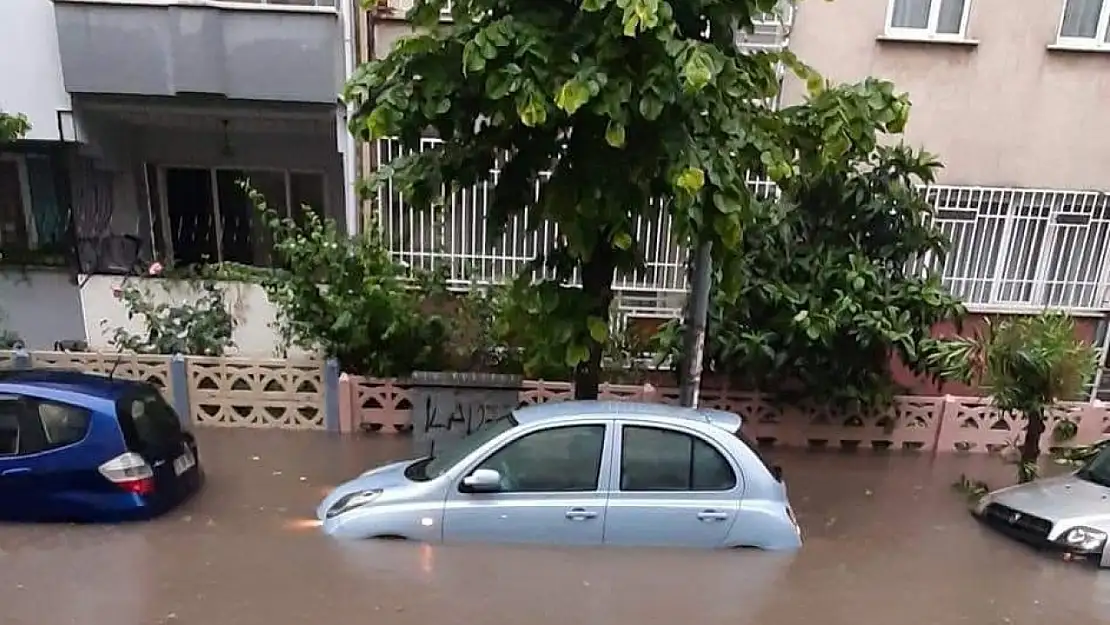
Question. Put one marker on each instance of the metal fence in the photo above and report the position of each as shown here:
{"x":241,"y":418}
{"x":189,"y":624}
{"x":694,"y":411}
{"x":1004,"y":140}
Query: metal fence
{"x":1012,"y":249}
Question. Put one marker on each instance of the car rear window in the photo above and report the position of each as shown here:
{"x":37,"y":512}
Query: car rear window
{"x":148,"y":421}
{"x":754,"y":446}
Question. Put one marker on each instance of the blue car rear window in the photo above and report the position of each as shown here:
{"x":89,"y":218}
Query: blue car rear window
{"x":148,"y":422}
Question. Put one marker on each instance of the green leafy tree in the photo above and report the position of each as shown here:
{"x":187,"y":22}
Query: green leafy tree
{"x":613,"y":109}
{"x":828,"y":282}
{"x":345,"y":297}
{"x":1027,"y":364}
{"x":13,"y":127}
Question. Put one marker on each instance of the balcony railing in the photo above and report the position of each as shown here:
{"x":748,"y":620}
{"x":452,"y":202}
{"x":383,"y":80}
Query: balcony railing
{"x":1013,"y":250}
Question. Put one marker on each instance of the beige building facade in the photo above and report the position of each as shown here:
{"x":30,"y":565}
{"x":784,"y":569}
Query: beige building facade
{"x":1007,"y":92}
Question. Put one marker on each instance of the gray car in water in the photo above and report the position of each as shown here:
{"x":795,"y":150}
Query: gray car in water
{"x":582,"y":473}
{"x":1069,"y":514}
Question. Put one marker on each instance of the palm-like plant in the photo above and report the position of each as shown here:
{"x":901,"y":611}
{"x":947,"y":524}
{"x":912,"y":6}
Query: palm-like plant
{"x":1027,"y":364}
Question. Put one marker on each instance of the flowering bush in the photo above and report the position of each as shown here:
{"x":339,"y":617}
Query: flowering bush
{"x":345,"y":297}
{"x":202,"y":327}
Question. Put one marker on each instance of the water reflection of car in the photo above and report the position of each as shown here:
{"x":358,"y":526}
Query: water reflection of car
{"x":1068,"y":514}
{"x":579,"y":472}
{"x":79,"y":447}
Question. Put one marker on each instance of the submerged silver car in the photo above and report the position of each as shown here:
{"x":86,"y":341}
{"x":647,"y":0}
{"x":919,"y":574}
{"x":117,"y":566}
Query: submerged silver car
{"x":1069,"y":514}
{"x":583,"y":473}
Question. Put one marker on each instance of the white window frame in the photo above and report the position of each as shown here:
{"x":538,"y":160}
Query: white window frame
{"x":25,"y":194}
{"x":1098,"y":42}
{"x":930,"y":30}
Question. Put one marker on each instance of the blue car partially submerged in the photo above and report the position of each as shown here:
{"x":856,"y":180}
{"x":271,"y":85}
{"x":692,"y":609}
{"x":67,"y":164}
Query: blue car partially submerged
{"x":76,"y":447}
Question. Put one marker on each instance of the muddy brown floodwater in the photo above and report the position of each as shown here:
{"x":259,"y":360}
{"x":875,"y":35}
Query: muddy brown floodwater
{"x":887,"y":543}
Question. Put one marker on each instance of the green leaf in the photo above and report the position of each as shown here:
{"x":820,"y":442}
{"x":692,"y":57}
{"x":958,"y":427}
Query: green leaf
{"x":599,"y":329}
{"x":651,"y":107}
{"x":622,"y":240}
{"x":614,"y":134}
{"x":593,"y":6}
{"x":691,"y":180}
{"x":378,"y":123}
{"x":573,"y":95}
{"x":639,"y":15}
{"x":726,"y":204}
{"x":473,"y":61}
{"x":699,"y":69}
{"x":577,"y":354}
{"x":801,"y":316}
{"x":531,"y":109}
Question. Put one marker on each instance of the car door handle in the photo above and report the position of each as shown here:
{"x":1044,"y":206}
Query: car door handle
{"x":580,"y":514}
{"x":712,"y":515}
{"x":12,"y":472}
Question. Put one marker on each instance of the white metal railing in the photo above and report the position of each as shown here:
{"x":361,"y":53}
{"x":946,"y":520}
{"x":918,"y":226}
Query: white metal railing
{"x":1012,"y":249}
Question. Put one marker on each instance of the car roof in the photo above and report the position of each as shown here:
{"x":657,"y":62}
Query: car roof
{"x":565,"y":410}
{"x":76,"y":382}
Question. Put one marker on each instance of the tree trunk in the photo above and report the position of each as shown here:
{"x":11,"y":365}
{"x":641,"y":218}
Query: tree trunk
{"x":1031,"y":446}
{"x":597,"y":283}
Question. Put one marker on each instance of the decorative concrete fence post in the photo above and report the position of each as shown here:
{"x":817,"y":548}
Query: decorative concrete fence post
{"x":332,"y":400}
{"x":451,"y":405}
{"x":179,"y":387}
{"x":346,"y":404}
{"x":1092,"y":423}
{"x":22,"y":358}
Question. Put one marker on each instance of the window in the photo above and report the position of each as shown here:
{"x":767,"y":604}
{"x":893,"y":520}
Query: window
{"x":209,"y":218}
{"x":1084,"y":23}
{"x":928,"y":18}
{"x":556,"y":460}
{"x":148,"y":421}
{"x":16,"y":227}
{"x":9,"y":426}
{"x":62,"y":424}
{"x":654,"y":459}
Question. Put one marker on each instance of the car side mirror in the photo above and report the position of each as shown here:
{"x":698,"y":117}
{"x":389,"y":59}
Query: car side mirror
{"x":482,"y":481}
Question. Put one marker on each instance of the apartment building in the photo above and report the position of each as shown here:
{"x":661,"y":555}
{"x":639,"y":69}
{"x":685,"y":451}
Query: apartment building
{"x":1009,"y":94}
{"x":145,"y":116}
{"x":1013,"y":97}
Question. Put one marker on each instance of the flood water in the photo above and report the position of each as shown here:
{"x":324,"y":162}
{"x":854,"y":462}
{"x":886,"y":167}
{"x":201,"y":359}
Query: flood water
{"x":887,"y":543}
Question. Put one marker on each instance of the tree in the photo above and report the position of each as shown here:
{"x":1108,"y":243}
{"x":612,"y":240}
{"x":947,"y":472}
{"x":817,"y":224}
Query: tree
{"x":13,"y":127}
{"x":1027,"y":364}
{"x":611,"y":109}
{"x":829,"y":281}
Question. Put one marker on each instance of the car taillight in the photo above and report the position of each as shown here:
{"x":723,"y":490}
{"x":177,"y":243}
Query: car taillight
{"x":130,"y":472}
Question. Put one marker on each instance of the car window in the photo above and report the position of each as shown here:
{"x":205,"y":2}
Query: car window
{"x":453,"y":452}
{"x":62,"y":424}
{"x":655,"y":459}
{"x":560,"y":459}
{"x":754,"y":446}
{"x":9,"y":426}
{"x":148,"y":422}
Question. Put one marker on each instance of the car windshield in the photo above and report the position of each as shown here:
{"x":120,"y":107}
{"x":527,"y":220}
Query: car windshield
{"x":453,"y":452}
{"x":1098,"y":469}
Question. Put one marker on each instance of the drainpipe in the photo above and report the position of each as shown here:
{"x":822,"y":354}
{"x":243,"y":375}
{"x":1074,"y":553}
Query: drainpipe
{"x":349,"y":13}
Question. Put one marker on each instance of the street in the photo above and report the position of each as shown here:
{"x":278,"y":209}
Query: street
{"x":888,"y":542}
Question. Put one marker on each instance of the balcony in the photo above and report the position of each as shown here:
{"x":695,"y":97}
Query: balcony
{"x":272,"y":50}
